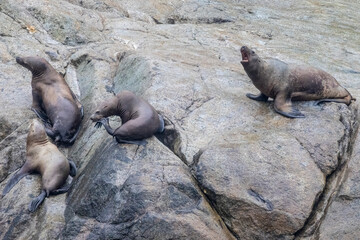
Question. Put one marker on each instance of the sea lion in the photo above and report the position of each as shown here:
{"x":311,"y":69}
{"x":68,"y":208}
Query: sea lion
{"x":53,"y":100}
{"x":285,"y":82}
{"x":139,"y":119}
{"x":43,"y":157}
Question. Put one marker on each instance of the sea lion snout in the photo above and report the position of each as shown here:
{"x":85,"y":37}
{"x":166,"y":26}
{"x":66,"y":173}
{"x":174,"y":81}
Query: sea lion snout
{"x":96,"y":116}
{"x":92,"y":118}
{"x":20,"y":60}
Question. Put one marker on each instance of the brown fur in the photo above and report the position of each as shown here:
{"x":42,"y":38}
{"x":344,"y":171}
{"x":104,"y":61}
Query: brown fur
{"x":286,"y":83}
{"x":43,"y":157}
{"x":53,"y":100}
{"x":139,"y":119}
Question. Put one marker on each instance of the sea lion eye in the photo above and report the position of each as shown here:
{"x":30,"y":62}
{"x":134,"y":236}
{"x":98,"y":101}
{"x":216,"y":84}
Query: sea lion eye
{"x":97,"y":112}
{"x":252,"y":52}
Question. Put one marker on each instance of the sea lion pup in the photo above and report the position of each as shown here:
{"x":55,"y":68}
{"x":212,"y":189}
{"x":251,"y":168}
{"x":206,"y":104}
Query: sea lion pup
{"x":285,"y":82}
{"x":43,"y":157}
{"x":139,"y":119}
{"x":53,"y":100}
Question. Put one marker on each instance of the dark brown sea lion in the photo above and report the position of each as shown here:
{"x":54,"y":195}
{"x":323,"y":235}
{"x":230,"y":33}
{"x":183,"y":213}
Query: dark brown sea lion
{"x":53,"y":100}
{"x":139,"y":119}
{"x":43,"y":157}
{"x":285,"y":82}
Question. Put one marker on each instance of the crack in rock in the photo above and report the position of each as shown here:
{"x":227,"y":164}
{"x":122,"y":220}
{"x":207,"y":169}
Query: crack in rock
{"x":334,"y":180}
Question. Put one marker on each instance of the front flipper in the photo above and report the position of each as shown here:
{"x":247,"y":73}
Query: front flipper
{"x":261,"y":97}
{"x":284,"y":107}
{"x":82,"y":112}
{"x":98,"y":125}
{"x":105,"y":123}
{"x":137,"y":142}
{"x":40,"y":114}
{"x":50,"y":132}
{"x":73,"y":169}
{"x":37,"y":201}
{"x":14,"y":180}
{"x":162,"y":125}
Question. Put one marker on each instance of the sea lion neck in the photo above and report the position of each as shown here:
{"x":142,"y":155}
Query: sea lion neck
{"x":121,"y":110}
{"x":38,"y":74}
{"x":36,"y":139}
{"x":255,"y":68}
{"x":111,"y":108}
{"x":36,"y":135}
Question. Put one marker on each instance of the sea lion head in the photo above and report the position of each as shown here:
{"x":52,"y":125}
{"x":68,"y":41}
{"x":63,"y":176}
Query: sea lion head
{"x":101,"y":112}
{"x":36,"y":65}
{"x":36,"y":133}
{"x":250,"y":59}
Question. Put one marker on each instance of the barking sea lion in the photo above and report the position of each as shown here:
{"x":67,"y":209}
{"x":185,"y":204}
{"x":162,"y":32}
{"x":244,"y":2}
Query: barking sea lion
{"x":285,"y":83}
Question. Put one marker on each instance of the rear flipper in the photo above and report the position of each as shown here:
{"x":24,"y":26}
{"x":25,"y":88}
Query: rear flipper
{"x":73,"y":169}
{"x":72,"y":140}
{"x":261,"y":97}
{"x":52,"y":134}
{"x":137,"y":142}
{"x":346,"y":100}
{"x":34,"y":204}
{"x":14,"y":180}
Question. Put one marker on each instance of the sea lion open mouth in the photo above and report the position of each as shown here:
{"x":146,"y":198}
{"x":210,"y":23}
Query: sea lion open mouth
{"x":245,"y":57}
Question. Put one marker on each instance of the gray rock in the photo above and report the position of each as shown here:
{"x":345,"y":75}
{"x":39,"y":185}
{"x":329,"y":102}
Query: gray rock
{"x":248,"y":183}
{"x":137,"y":192}
{"x":342,"y":217}
{"x":226,"y":167}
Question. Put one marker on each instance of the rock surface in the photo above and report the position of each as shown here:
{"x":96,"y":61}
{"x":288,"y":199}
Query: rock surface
{"x":226,"y":167}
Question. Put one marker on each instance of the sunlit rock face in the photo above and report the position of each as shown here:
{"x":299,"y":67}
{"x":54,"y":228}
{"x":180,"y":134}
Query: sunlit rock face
{"x":226,"y":167}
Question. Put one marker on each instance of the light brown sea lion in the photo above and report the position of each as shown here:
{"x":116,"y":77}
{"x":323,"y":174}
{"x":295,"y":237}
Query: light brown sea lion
{"x":43,"y":157}
{"x":53,"y":100}
{"x":285,"y":82}
{"x":139,"y":119}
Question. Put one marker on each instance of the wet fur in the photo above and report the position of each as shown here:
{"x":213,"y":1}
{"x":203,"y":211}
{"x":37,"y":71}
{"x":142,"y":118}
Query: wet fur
{"x":285,"y":83}
{"x":139,"y":119}
{"x":53,"y":100}
{"x":44,"y":158}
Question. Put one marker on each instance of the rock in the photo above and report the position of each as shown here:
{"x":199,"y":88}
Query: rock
{"x":248,"y":182}
{"x":342,"y":217}
{"x":138,"y":192}
{"x":226,"y":167}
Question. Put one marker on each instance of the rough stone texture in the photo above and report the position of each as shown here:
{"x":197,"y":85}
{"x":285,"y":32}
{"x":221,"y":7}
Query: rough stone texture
{"x":346,"y":205}
{"x":248,"y":187}
{"x":226,"y":167}
{"x":138,"y":193}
